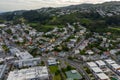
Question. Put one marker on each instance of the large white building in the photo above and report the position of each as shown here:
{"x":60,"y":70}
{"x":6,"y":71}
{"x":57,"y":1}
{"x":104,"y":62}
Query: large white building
{"x":14,"y":50}
{"x":27,"y":62}
{"x":113,"y":65}
{"x":24,"y":55}
{"x":34,"y":73}
{"x":95,"y":68}
{"x":102,"y":76}
{"x":91,"y":64}
{"x":101,"y":64}
{"x":21,"y":55}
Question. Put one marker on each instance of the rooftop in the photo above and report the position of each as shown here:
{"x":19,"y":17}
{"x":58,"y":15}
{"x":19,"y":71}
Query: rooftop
{"x":29,"y":73}
{"x":14,"y":50}
{"x":73,"y":74}
{"x":24,"y":55}
{"x":52,"y":61}
{"x":103,"y":76}
{"x":109,"y":61}
{"x":2,"y":25}
{"x":115,"y":66}
{"x":96,"y":69}
{"x":91,"y":64}
{"x":100,"y":63}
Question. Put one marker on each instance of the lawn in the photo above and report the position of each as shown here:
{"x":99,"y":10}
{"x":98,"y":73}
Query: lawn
{"x":44,"y":28}
{"x":53,"y":26}
{"x":115,"y":29}
{"x":57,"y":77}
{"x":53,"y":69}
{"x":115,"y":32}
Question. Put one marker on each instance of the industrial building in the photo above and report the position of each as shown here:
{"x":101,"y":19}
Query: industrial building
{"x":95,"y":68}
{"x":27,"y":62}
{"x":34,"y":73}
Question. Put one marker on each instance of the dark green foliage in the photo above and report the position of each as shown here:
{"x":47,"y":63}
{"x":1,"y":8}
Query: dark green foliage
{"x":70,"y":58}
{"x":82,"y":52}
{"x":65,"y":48}
{"x":42,"y":63}
{"x":57,"y":72}
{"x":34,"y":16}
{"x":26,"y":31}
{"x":69,"y":68}
{"x":42,"y":28}
{"x":91,"y":19}
{"x":113,"y":20}
{"x":31,"y":15}
{"x":9,"y":31}
{"x":34,"y":51}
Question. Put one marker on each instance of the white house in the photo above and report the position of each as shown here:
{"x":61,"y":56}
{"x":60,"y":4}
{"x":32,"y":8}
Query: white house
{"x":77,"y":51}
{"x":52,"y":61}
{"x":3,"y":25}
{"x":32,"y":32}
{"x":90,"y":52}
{"x":62,"y":54}
{"x":113,"y":51}
{"x":20,"y":39}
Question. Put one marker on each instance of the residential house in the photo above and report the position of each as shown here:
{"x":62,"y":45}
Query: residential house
{"x":90,"y":52}
{"x":77,"y":51}
{"x":52,"y":61}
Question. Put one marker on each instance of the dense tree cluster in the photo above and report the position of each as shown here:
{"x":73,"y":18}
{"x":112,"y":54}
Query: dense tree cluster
{"x":91,"y":20}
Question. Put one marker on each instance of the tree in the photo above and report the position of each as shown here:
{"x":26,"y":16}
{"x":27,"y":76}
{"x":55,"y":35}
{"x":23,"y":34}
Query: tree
{"x":42,"y":63}
{"x":9,"y":31}
{"x":69,"y":68}
{"x":57,"y":72}
{"x":82,"y":52}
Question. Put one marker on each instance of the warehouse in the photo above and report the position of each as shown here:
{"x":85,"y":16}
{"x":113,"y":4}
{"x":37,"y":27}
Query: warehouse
{"x":34,"y":73}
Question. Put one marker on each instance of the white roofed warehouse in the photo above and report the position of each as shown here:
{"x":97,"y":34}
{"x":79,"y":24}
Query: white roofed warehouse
{"x":27,"y":62}
{"x":34,"y":73}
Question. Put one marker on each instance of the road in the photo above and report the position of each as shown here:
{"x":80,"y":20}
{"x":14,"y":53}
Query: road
{"x":76,"y":65}
{"x":77,"y":46}
{"x":79,"y":67}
